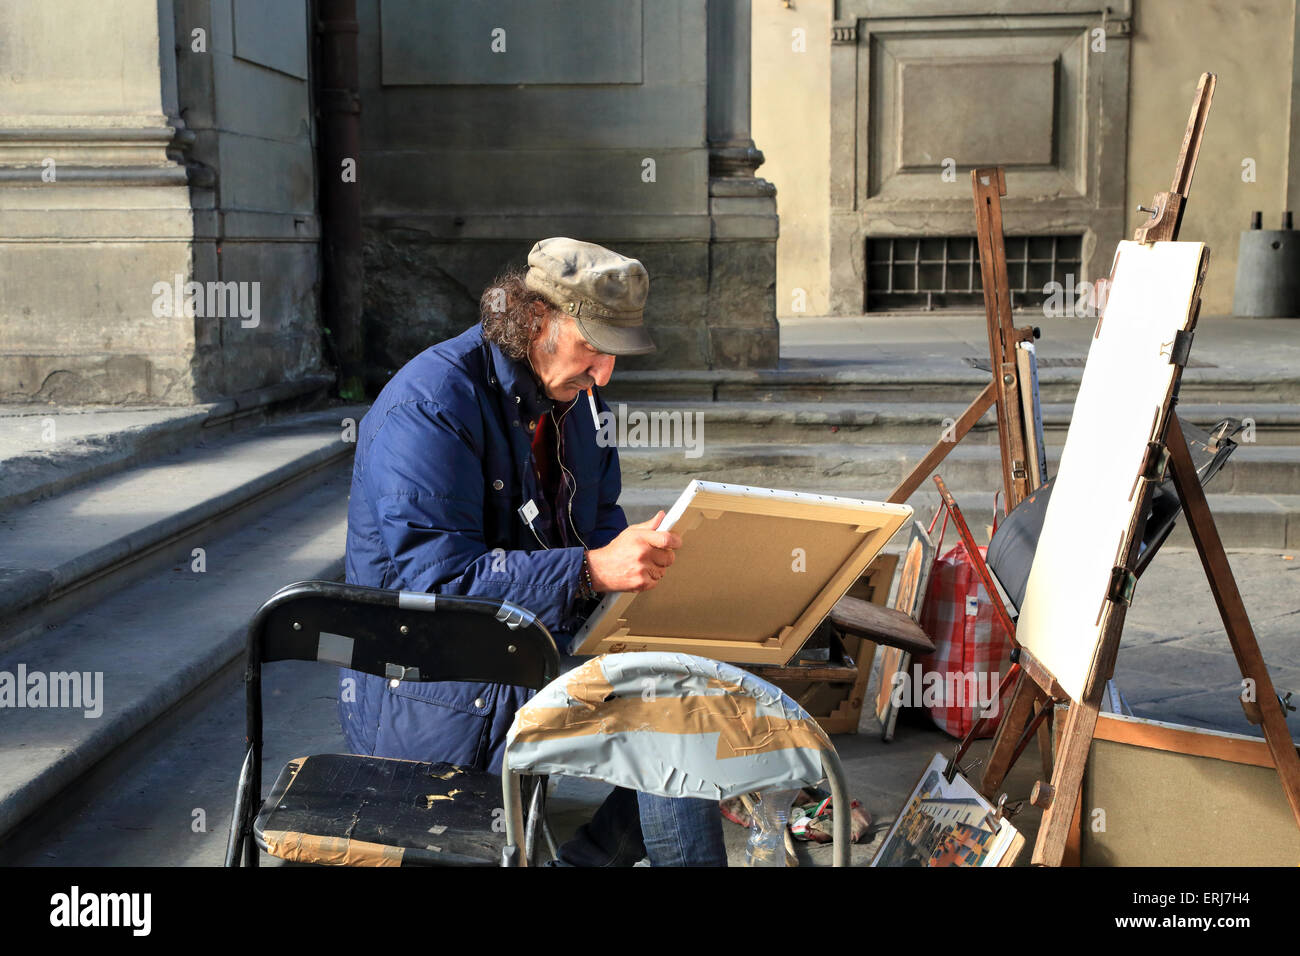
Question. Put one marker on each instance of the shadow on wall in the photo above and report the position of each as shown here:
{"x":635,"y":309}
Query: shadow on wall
{"x":413,"y":297}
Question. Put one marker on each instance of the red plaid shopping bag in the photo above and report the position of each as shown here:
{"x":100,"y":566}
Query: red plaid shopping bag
{"x":972,"y":648}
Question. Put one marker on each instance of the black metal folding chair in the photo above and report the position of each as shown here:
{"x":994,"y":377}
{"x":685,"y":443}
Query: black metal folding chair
{"x":346,"y":809}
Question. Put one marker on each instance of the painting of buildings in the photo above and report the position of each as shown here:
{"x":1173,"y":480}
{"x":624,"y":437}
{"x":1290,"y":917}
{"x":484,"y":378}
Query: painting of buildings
{"x":946,"y":824}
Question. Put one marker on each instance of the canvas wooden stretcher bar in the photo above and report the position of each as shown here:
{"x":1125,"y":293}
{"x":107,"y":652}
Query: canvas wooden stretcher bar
{"x":873,"y":587}
{"x":757,"y":571}
{"x":833,"y":694}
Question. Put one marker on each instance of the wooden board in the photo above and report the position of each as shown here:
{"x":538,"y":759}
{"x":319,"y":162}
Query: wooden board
{"x":918,"y":561}
{"x":884,"y":625}
{"x":988,"y":185}
{"x":1172,"y":795}
{"x":1122,"y":405}
{"x":758,"y":569}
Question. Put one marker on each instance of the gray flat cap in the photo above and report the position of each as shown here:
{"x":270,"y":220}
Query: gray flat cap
{"x":603,"y":291}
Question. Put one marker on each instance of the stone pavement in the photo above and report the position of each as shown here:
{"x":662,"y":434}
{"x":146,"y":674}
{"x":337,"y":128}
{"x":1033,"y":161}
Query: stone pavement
{"x":919,"y":345}
{"x":1175,"y":662}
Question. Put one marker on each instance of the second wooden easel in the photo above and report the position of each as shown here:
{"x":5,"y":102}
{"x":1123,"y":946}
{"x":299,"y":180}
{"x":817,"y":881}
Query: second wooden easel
{"x":1015,"y":431}
{"x":1012,"y":390}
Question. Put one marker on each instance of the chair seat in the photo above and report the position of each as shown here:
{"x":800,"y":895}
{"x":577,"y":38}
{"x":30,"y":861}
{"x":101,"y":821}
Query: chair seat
{"x":350,"y":810}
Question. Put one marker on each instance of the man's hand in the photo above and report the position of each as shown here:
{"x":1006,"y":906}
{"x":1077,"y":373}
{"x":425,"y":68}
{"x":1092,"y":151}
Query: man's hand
{"x":635,"y":560}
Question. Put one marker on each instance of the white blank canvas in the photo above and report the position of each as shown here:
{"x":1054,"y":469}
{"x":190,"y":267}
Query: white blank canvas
{"x":1122,"y":405}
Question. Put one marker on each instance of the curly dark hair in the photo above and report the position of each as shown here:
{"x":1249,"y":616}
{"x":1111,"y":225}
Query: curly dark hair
{"x":506,"y":310}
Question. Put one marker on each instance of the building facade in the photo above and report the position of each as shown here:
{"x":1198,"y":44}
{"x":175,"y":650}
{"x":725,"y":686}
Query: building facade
{"x":161,"y":178}
{"x":873,"y":112}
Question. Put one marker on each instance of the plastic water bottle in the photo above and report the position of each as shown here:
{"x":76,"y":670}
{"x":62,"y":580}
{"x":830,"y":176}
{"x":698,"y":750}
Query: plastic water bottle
{"x":767,"y":828}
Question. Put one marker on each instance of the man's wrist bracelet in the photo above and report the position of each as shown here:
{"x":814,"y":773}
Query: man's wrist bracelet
{"x":586,"y":590}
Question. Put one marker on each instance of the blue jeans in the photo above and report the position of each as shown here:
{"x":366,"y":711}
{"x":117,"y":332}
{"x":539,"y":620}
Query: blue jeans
{"x":682,"y":831}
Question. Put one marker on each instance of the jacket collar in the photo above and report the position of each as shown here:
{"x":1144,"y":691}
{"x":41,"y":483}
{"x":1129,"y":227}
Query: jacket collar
{"x":516,"y":380}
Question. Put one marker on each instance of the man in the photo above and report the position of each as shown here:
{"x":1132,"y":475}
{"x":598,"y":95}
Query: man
{"x":478,"y":471}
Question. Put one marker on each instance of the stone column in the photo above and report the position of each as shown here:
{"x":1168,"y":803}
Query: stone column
{"x":743,"y":331}
{"x":94,"y":204}
{"x":732,"y":153}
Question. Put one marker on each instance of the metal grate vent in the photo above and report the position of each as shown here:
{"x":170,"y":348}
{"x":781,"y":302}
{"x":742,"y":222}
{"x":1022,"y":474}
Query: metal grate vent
{"x":943,"y":272}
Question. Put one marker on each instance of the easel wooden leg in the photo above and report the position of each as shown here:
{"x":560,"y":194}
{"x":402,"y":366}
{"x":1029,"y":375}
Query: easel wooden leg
{"x":1074,"y":846}
{"x":1076,"y":741}
{"x":974,"y":412}
{"x":988,"y":186}
{"x":1002,"y":754}
{"x":1200,"y":522}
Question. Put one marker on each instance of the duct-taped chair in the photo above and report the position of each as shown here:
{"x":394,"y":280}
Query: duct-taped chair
{"x":673,"y":725}
{"x":348,"y":809}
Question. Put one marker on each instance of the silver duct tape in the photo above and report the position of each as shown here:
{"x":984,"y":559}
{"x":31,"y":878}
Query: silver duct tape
{"x":669,"y":674}
{"x":668,"y":765}
{"x":401,"y":672}
{"x":666,"y":761}
{"x":514,"y":617}
{"x":334,"y":648}
{"x":416,"y":601}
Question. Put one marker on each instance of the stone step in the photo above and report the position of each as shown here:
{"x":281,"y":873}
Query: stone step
{"x":896,"y":383}
{"x":46,"y":450}
{"x":1253,"y":469}
{"x":893,"y":422}
{"x":157,"y":641}
{"x":1269,"y":522}
{"x":60,"y":554}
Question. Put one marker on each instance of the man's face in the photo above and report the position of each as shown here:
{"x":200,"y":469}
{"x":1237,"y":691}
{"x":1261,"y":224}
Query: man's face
{"x":573,"y":367}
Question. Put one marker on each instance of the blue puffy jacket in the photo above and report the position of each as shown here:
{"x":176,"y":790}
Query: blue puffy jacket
{"x":443,"y":462}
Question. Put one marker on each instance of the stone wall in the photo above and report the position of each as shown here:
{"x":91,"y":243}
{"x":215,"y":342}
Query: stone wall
{"x":176,"y":142}
{"x":248,"y":102}
{"x":922,"y":91}
{"x":792,"y":119}
{"x":476,"y":144}
{"x":706,"y":298}
{"x":147,"y":144}
{"x":1250,"y":45}
{"x":93,"y":205}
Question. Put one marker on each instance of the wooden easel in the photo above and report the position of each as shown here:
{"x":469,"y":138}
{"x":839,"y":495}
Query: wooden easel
{"x":1037,"y":688}
{"x":989,"y":185}
{"x":1008,"y":366}
{"x":1004,"y":391}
